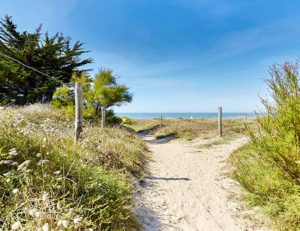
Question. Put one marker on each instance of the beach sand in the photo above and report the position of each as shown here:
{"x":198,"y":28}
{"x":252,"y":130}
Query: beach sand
{"x":189,"y":189}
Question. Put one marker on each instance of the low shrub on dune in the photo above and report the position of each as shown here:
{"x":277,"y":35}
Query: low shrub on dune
{"x":269,"y":167}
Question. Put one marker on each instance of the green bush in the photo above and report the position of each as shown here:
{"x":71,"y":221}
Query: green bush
{"x":269,"y":168}
{"x":127,"y":121}
{"x":102,"y":91}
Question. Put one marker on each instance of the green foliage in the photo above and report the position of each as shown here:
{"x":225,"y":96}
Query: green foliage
{"x":112,"y":119}
{"x":52,"y":55}
{"x":63,"y":97}
{"x":269,"y":167}
{"x":88,"y":185}
{"x":103,"y":90}
{"x":127,"y":121}
{"x":107,"y":92}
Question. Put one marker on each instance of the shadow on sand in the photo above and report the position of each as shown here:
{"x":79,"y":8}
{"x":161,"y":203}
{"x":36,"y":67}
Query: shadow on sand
{"x":147,"y":131}
{"x":149,"y":181}
{"x":161,"y":139}
{"x":166,"y":178}
{"x":148,"y":218}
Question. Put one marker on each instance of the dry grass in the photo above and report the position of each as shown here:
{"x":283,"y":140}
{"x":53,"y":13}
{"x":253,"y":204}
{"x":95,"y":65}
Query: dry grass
{"x":48,"y":183}
{"x":191,"y":129}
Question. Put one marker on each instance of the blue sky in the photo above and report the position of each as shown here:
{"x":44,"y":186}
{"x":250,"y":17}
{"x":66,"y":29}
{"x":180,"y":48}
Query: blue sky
{"x":176,"y":55}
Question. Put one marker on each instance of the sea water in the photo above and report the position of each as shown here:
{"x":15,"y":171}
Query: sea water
{"x":186,"y":115}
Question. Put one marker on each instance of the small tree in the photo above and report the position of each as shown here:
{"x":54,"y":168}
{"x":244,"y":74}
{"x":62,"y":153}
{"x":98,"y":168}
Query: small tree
{"x":108,"y":93}
{"x":63,"y":96}
{"x":278,"y":137}
{"x":99,"y":94}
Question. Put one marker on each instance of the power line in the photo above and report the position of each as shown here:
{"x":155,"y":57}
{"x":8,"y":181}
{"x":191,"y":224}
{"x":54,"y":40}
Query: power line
{"x":13,"y":59}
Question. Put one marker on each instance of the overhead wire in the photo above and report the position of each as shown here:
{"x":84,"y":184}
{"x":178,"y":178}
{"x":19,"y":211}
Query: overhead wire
{"x":25,"y":65}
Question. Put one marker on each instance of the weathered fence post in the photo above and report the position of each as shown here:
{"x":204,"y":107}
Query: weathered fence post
{"x":220,"y":128}
{"x":78,"y":111}
{"x":103,"y":115}
{"x":161,"y":120}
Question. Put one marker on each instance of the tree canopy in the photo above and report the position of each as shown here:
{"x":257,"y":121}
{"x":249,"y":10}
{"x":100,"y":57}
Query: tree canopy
{"x":53,"y":55}
{"x":107,"y":92}
{"x":101,"y":91}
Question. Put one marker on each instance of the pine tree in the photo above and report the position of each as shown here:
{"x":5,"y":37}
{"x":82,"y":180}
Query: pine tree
{"x":108,"y":93}
{"x":52,"y":55}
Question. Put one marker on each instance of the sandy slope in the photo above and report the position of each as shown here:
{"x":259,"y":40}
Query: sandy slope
{"x":187,"y":189}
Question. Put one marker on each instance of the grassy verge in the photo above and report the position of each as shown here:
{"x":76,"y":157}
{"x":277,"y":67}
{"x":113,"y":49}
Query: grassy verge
{"x":190,"y":129}
{"x":48,"y":182}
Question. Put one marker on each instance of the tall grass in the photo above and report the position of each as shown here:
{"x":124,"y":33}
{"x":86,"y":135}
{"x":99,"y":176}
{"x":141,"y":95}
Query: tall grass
{"x":48,"y":183}
{"x":269,"y":167}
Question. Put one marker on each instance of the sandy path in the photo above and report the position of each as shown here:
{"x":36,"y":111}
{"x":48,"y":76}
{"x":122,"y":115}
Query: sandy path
{"x":186,"y":188}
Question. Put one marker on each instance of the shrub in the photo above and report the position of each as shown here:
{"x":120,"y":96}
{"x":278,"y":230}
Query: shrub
{"x":269,"y":167}
{"x":126,"y":121}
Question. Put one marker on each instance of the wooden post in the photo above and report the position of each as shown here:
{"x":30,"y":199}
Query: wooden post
{"x":161,"y":120}
{"x":103,"y":115}
{"x":220,"y":128}
{"x":78,"y":111}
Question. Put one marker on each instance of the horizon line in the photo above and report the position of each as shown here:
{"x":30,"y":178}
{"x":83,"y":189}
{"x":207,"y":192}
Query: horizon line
{"x":182,"y":112}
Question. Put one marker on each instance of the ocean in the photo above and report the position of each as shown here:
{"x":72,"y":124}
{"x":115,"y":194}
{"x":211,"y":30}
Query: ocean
{"x":185,"y":115}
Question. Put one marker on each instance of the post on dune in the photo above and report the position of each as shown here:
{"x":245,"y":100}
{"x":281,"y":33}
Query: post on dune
{"x":103,"y":116}
{"x":161,"y":120}
{"x":78,"y":111}
{"x":220,"y":128}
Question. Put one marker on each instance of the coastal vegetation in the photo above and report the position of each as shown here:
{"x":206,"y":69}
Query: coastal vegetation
{"x":39,"y":68}
{"x":99,"y":93}
{"x":190,"y":129}
{"x":268,"y":167}
{"x":49,"y":183}
{"x":22,"y":53}
{"x":46,"y":181}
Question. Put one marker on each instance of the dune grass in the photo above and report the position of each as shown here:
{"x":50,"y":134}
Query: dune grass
{"x":47,"y":182}
{"x":190,"y":129}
